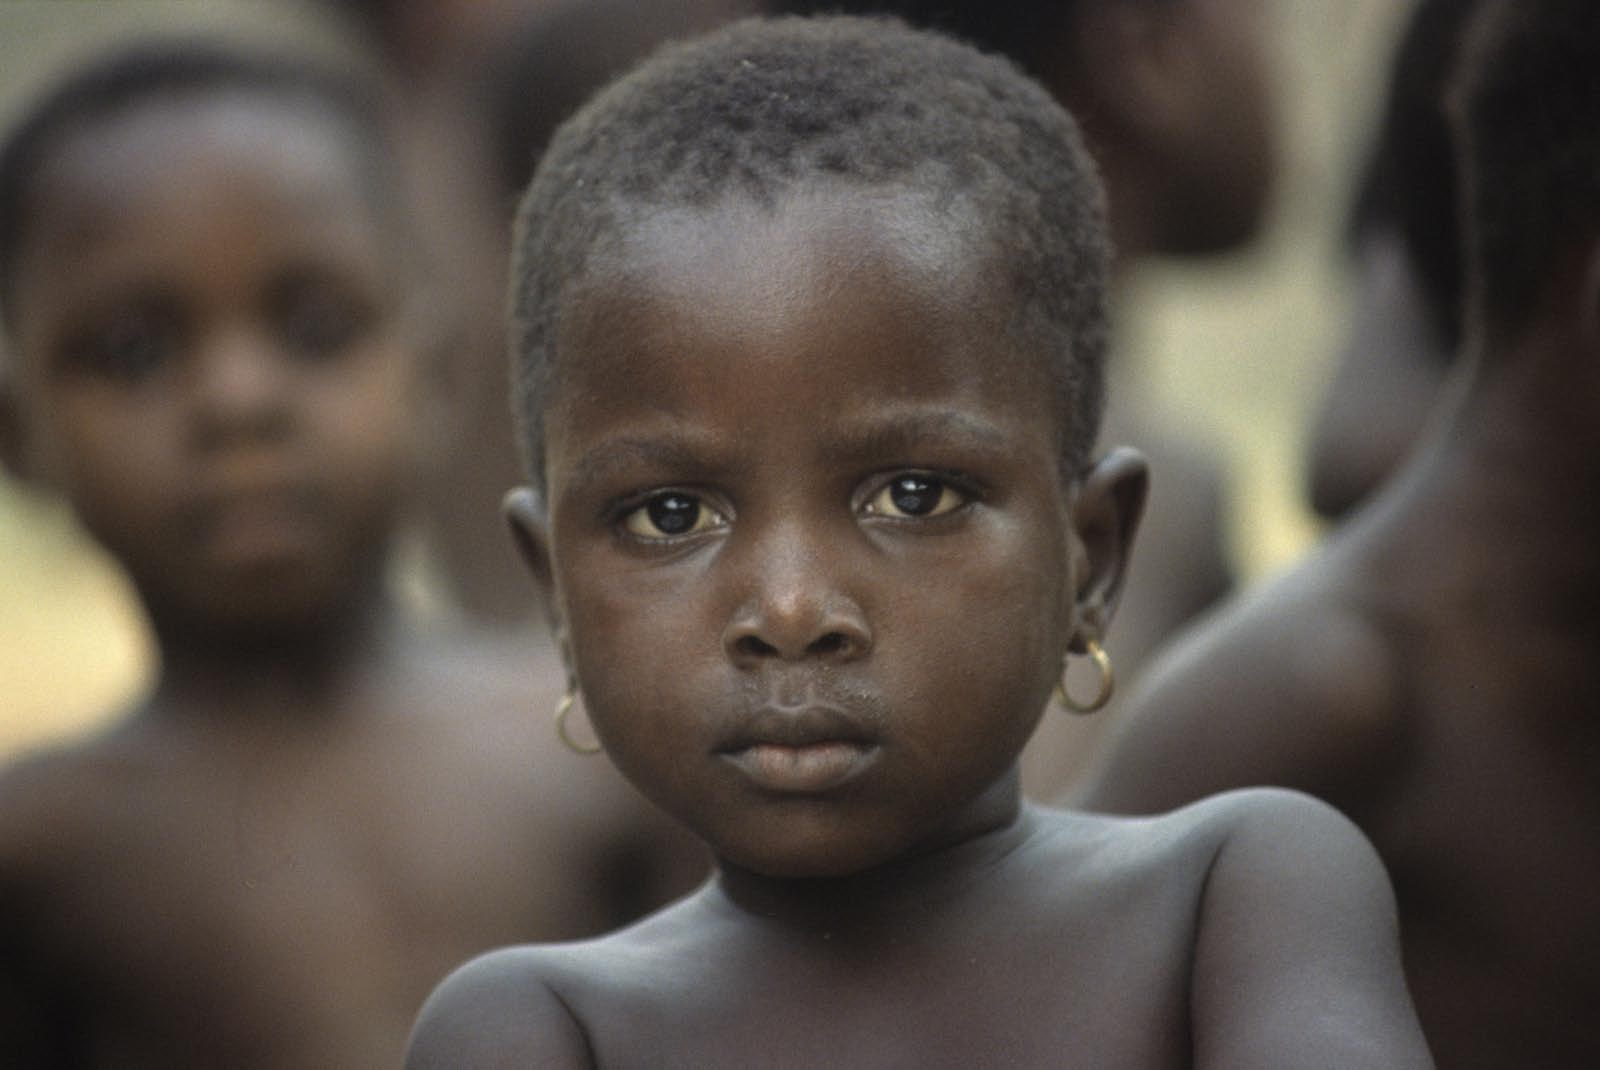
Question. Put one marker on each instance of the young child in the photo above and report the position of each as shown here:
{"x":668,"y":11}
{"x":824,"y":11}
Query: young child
{"x":808,"y":326}
{"x":1434,"y":670}
{"x":213,"y":346}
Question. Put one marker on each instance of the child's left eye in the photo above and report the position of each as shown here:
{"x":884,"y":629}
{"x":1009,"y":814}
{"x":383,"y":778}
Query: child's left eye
{"x":915,"y":496}
{"x":671,"y":515}
{"x":318,"y":319}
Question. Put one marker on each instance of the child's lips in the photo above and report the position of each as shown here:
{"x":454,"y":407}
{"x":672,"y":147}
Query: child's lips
{"x":258,"y":527}
{"x":806,"y":769}
{"x":801,"y":750}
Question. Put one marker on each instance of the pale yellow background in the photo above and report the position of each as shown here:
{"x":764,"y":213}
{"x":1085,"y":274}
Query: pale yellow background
{"x":1242,"y":346}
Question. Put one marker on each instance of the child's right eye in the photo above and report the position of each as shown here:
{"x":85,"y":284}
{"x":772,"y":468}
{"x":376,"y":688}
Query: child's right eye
{"x":671,"y":515}
{"x":127,"y":347}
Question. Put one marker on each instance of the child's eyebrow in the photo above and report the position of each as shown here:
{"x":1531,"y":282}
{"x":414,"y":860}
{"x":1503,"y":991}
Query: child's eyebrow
{"x":627,"y":451}
{"x":890,"y":433}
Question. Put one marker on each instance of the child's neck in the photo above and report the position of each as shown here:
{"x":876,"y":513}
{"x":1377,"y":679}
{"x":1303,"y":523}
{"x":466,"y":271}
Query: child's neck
{"x":243,"y":673}
{"x":886,"y":894}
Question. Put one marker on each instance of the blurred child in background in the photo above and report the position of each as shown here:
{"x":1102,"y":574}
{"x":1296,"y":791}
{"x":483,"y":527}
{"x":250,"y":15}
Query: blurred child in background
{"x":215,"y":348}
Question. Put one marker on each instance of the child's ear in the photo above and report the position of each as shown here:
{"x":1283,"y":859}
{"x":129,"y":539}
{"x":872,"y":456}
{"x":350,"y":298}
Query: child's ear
{"x":525,"y":512}
{"x":1105,"y":517}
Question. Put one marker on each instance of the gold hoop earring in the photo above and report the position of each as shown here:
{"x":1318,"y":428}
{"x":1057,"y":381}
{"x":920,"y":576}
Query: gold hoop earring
{"x":1108,"y":681}
{"x":564,"y":707}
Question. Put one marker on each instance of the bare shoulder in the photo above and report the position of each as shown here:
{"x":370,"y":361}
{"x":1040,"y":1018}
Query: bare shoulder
{"x":1288,"y":921}
{"x":500,"y":1009}
{"x":491,"y":676}
{"x":1294,"y":685}
{"x":28,"y":821}
{"x":1297,"y":953}
{"x":482,"y":698}
{"x":59,"y":809}
{"x":1192,"y":840}
{"x":478,"y":720}
{"x":542,"y":1004}
{"x":1279,"y":826}
{"x":52,"y":797}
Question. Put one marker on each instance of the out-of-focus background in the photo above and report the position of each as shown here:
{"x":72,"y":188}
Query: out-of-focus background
{"x":1243,"y":344}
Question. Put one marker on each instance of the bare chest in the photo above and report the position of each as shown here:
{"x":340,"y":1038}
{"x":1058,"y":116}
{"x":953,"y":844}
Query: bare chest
{"x":260,"y":918}
{"x":1025,"y":995}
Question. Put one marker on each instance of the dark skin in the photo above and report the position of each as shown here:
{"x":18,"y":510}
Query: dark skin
{"x":804,"y":509}
{"x":1434,"y":671}
{"x":1175,"y":99}
{"x":319,"y":811}
{"x":1386,"y":378}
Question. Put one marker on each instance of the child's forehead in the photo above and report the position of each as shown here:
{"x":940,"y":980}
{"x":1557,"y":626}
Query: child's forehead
{"x":162,"y":136}
{"x":195,"y":198}
{"x":844,"y":300}
{"x":269,"y":176}
{"x":757,"y":254}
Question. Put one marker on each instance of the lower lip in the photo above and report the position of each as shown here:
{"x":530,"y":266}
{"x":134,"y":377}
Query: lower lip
{"x":248,"y":536}
{"x":805,"y":770}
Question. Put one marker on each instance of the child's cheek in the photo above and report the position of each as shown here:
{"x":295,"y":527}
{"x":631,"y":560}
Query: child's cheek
{"x":631,"y":637}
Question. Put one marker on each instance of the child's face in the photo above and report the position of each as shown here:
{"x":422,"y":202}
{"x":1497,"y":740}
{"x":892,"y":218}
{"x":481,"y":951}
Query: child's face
{"x":210,"y":365}
{"x":806,"y":528}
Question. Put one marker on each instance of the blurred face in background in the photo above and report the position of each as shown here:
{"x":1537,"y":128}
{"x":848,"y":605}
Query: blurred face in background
{"x":210,"y":363}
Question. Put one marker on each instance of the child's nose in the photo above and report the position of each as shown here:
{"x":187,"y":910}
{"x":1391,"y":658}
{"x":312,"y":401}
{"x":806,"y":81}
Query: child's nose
{"x":239,"y":387}
{"x":797,"y":609}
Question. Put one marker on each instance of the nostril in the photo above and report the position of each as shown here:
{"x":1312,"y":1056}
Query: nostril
{"x":763,"y":636}
{"x":832,"y":643}
{"x":755,"y":646}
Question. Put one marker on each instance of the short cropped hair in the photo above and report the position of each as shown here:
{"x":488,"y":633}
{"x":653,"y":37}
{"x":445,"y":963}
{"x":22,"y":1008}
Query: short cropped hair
{"x":765,"y":106}
{"x":1528,"y":107}
{"x":136,"y":74}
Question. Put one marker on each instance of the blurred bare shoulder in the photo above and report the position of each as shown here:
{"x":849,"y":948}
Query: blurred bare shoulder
{"x":481,"y":702}
{"x":54,"y":799}
{"x":1293,"y":684}
{"x":60,"y":807}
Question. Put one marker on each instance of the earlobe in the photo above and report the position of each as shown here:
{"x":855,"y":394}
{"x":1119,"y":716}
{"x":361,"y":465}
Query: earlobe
{"x":1105,"y":518}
